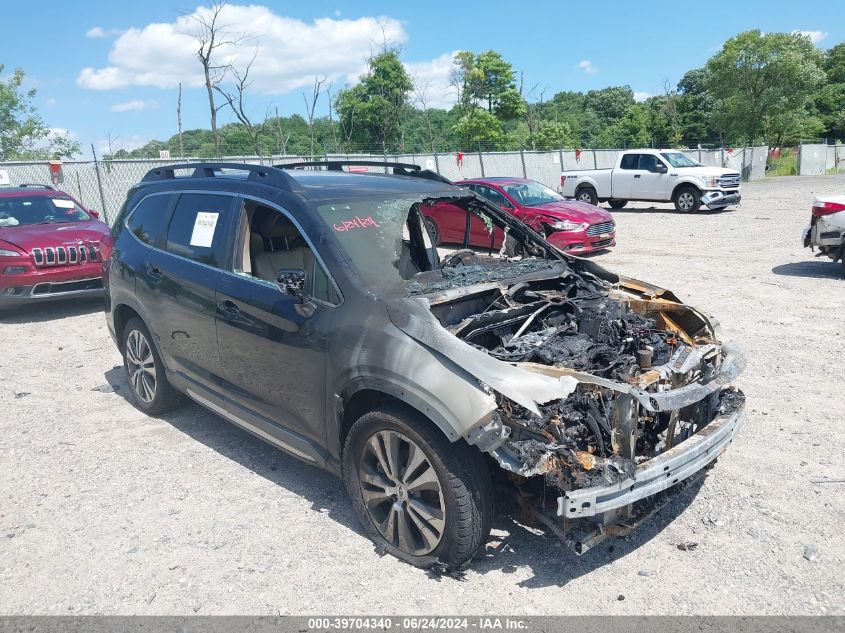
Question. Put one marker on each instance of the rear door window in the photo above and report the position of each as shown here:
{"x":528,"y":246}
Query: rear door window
{"x":198,"y":230}
{"x":146,"y":222}
{"x":629,"y":161}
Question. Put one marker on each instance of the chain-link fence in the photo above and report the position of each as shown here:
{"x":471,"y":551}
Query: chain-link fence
{"x":103,"y":185}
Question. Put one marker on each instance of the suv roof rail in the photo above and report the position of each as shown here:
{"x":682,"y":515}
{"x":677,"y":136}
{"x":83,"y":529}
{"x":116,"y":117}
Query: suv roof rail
{"x":36,"y":185}
{"x":399,"y":169}
{"x":257,"y":173}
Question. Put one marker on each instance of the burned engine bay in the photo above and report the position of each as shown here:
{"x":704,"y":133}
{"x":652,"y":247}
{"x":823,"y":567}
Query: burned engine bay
{"x":603,"y":336}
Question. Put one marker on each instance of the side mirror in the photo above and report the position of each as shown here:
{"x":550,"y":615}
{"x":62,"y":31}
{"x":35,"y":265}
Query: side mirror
{"x":93,"y":213}
{"x":291,"y":282}
{"x":660,"y":168}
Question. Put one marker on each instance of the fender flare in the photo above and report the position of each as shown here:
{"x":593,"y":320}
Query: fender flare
{"x":440,"y":417}
{"x":687,"y":182}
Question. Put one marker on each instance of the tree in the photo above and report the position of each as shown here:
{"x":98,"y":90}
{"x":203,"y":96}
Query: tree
{"x":210,"y":34}
{"x":311,"y":106}
{"x":830,"y":102}
{"x":236,"y":102}
{"x":478,"y":126}
{"x":376,"y":104}
{"x":23,"y":134}
{"x":763,"y":79}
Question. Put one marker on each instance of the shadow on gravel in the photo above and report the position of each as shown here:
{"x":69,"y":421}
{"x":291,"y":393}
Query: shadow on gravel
{"x":51,"y":310}
{"x":325,"y":491}
{"x":667,"y":209}
{"x":820,"y":268}
{"x":552,"y":563}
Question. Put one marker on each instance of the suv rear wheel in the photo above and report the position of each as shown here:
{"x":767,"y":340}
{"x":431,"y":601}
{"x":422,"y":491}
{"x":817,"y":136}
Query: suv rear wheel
{"x":144,"y":371}
{"x":419,"y":497}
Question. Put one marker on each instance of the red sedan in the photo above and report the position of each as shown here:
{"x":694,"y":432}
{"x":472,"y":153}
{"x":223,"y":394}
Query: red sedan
{"x":572,"y":226}
{"x":50,"y":246}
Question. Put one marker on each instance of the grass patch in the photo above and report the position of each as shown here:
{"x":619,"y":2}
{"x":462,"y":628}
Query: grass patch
{"x":784,"y":165}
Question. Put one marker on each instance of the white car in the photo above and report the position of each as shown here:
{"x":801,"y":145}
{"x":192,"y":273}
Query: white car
{"x":658,"y":176}
{"x":827,"y":227}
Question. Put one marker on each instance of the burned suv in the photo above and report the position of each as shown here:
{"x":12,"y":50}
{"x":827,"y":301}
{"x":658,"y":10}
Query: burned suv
{"x":310,"y":306}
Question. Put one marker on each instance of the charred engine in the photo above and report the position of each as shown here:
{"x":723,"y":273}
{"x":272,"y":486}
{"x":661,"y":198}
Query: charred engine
{"x":575,"y":325}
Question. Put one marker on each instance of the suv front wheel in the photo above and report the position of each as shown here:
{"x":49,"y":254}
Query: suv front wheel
{"x":144,"y":371}
{"x":419,"y":497}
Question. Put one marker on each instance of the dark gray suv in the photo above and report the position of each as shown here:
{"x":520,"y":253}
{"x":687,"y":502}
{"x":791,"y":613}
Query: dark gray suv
{"x":310,"y":306}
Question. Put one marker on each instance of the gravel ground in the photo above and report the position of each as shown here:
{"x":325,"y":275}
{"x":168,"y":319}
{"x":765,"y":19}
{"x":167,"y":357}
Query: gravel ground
{"x":104,"y":510}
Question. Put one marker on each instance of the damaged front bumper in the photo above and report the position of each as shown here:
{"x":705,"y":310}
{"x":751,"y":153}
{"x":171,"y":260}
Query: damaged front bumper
{"x":657,"y":474}
{"x":719,"y":199}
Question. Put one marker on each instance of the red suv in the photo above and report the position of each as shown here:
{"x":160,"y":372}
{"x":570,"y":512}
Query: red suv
{"x":572,"y":226}
{"x":50,"y":246}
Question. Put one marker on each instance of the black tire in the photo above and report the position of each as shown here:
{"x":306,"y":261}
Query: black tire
{"x":617,"y":204}
{"x":687,"y":199}
{"x":465,"y":493}
{"x":164,"y":397}
{"x":587,"y":194}
{"x":433,"y":230}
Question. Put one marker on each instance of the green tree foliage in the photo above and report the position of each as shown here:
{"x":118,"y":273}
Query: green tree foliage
{"x":23,"y":134}
{"x":372,"y":110}
{"x":767,"y":82}
{"x":774,"y":87}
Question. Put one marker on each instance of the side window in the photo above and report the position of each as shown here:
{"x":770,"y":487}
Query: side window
{"x":198,"y":228}
{"x":648,"y":162}
{"x":147,"y":220}
{"x":494,"y":196}
{"x":629,"y":161}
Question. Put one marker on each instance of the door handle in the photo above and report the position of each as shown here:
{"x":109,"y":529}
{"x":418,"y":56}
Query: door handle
{"x":637,"y":175}
{"x":228,"y":310}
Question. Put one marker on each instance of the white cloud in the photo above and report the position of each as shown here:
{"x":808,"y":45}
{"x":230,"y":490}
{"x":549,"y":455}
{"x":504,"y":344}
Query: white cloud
{"x":290,"y":52}
{"x":815,"y":36}
{"x":99,"y":32}
{"x":587,"y":66}
{"x":639,"y":97}
{"x":431,"y":81}
{"x":119,"y":142}
{"x":135,"y":105}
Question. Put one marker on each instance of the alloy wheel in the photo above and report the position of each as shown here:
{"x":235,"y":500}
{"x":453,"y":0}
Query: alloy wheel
{"x":686,"y":201}
{"x":402,"y":493}
{"x":140,"y":364}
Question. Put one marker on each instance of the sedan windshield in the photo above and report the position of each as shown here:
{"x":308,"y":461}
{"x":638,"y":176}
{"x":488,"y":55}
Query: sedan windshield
{"x":531,"y":194}
{"x":24,"y":210}
{"x":677,"y":159}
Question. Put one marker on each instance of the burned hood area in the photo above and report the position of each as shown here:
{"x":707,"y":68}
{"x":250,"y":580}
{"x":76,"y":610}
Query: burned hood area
{"x":609,"y":338}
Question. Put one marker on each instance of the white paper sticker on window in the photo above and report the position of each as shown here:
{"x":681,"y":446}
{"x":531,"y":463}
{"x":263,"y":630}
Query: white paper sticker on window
{"x":204,"y":227}
{"x":62,"y":203}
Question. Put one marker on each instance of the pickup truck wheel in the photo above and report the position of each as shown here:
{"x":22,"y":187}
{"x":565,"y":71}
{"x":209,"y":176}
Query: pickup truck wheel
{"x":587,"y":194}
{"x":419,"y":497}
{"x":433,"y":230}
{"x":617,"y":204}
{"x":144,"y":371}
{"x":687,"y":199}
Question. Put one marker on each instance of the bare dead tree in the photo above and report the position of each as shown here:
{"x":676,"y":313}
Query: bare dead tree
{"x":179,"y":121}
{"x":211,"y":35}
{"x":331,"y":117}
{"x":235,"y":100}
{"x":532,"y":113}
{"x":110,"y":141}
{"x":421,"y":95}
{"x":282,"y":138}
{"x":311,"y":106}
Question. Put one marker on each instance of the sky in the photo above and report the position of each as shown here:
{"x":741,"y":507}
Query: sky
{"x":111,"y":69}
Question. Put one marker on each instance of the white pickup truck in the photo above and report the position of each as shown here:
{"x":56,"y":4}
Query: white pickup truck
{"x":658,"y":176}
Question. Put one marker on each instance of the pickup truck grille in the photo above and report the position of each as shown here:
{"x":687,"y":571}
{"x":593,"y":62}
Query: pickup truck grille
{"x":65,"y":255}
{"x":729,"y":181}
{"x":599,"y":229}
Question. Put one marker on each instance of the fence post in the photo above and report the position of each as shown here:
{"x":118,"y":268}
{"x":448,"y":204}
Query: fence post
{"x":436,"y":163}
{"x":522,"y":158}
{"x":798,"y":159}
{"x":560,"y":154}
{"x":481,"y":160}
{"x":100,"y":184}
{"x":595,"y":164}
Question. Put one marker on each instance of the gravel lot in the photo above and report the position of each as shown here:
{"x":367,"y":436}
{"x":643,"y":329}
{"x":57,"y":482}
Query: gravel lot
{"x":104,"y":510}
